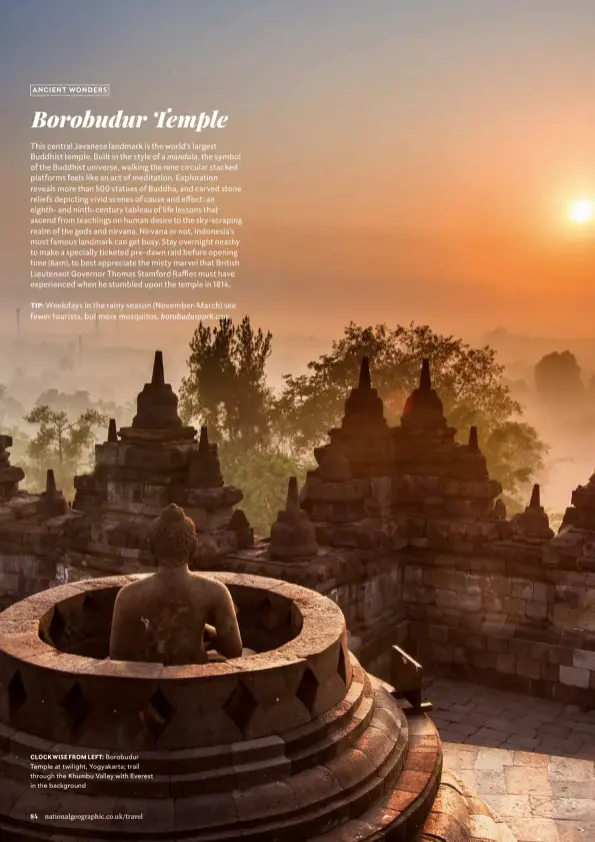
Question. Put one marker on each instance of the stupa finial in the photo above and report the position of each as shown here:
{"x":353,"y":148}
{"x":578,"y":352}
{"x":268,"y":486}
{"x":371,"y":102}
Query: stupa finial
{"x":293,"y":498}
{"x":365,"y":380}
{"x":473,"y":440}
{"x":50,"y":482}
{"x":203,"y":442}
{"x":425,"y":381}
{"x":535,"y":498}
{"x":158,"y":378}
{"x":112,"y":432}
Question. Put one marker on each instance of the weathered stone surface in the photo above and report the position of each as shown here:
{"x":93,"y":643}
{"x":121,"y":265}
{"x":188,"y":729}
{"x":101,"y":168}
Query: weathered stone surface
{"x":10,"y":476}
{"x":403,"y":526}
{"x":293,"y":535}
{"x":352,"y":760}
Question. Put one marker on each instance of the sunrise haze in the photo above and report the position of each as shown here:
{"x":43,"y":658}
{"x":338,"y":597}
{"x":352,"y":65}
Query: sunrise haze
{"x":400,"y":161}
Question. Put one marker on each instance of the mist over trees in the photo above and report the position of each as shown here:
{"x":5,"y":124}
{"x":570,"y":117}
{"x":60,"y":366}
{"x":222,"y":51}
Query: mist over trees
{"x":60,"y":444}
{"x":226,"y":383}
{"x":61,"y":429}
{"x":11,"y":410}
{"x":264,"y":436}
{"x":558,"y":378}
{"x":226,"y":390}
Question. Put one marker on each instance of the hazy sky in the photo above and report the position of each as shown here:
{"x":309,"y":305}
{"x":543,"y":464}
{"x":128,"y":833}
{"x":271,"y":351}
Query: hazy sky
{"x":402,"y":160}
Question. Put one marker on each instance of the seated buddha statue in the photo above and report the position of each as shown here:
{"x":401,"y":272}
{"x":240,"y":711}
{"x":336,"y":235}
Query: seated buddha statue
{"x":165,"y":617}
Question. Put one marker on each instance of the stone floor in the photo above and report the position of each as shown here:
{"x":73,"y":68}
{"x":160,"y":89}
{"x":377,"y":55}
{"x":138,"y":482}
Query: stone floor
{"x":532,"y":761}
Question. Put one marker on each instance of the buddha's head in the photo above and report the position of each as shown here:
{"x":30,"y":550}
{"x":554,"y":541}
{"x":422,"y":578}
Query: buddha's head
{"x":172,"y":538}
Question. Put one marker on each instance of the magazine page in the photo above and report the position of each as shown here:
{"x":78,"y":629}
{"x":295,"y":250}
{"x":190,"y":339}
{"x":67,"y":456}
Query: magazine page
{"x":297,"y":421}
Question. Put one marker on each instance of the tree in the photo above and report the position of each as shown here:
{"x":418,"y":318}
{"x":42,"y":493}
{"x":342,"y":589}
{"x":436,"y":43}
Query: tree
{"x":60,"y":444}
{"x":469,"y":381}
{"x":77,"y":403}
{"x":262,"y":475}
{"x":226,"y":385}
{"x":10,"y":408}
{"x":226,"y":390}
{"x":558,"y":378}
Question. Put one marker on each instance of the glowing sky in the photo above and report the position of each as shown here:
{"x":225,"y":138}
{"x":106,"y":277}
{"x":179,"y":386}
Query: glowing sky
{"x":401,"y":160}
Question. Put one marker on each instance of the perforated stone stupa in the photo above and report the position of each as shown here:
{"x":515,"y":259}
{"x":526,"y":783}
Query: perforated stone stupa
{"x":574,"y":547}
{"x":293,"y":535}
{"x":532,"y":525}
{"x":142,"y":468}
{"x":441,"y":489}
{"x":10,"y":476}
{"x":294,"y":742}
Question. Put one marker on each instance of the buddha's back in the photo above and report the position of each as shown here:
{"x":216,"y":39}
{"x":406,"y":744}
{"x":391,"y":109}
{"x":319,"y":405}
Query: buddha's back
{"x":162,"y":618}
{"x":165,"y":626}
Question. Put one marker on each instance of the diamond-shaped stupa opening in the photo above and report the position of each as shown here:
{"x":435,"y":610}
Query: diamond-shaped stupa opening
{"x":265,"y":620}
{"x":57,"y":625}
{"x":17,"y":695}
{"x":157,"y":713}
{"x":81,"y":625}
{"x":308,"y":688}
{"x":240,"y":707}
{"x":275,"y":617}
{"x":76,"y":707}
{"x":341,"y":666}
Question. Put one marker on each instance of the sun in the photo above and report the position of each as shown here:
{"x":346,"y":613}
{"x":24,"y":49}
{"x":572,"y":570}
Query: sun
{"x":582,"y":211}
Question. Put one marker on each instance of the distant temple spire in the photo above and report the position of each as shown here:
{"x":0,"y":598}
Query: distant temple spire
{"x":425,"y":381}
{"x":293,"y":535}
{"x":112,"y":432}
{"x":473,"y":440}
{"x":293,"y":498}
{"x":158,"y":378}
{"x":50,"y":482}
{"x":51,"y":502}
{"x":535,"y":498}
{"x":205,"y":470}
{"x":365,"y":380}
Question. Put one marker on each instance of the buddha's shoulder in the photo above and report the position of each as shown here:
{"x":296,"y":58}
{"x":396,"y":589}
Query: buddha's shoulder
{"x":208,"y":585}
{"x":134,"y":588}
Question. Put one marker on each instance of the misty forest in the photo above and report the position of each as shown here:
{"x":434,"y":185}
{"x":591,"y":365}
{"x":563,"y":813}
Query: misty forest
{"x":266,"y":433}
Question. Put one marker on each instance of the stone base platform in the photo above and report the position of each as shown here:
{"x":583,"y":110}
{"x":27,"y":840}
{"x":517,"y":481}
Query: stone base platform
{"x":293,"y":743}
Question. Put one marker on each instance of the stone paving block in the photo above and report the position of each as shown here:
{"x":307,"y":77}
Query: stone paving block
{"x":522,"y":729}
{"x":530,"y":829}
{"x":575,"y":677}
{"x":458,"y":728}
{"x":484,"y":828}
{"x":526,"y":758}
{"x":527,"y":742}
{"x":477,"y":719}
{"x":523,"y":780}
{"x":467,"y":759}
{"x":584,"y":728}
{"x":586,"y":752}
{"x":490,"y":782}
{"x":463,"y":708}
{"x":510,"y":805}
{"x":569,"y":769}
{"x":547,"y":794}
{"x":579,"y":809}
{"x":554,"y":730}
{"x":492,"y":734}
{"x":576,"y":741}
{"x":499,"y":723}
{"x":453,"y":716}
{"x":572,"y":831}
{"x":574,"y":789}
{"x":493,"y":759}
